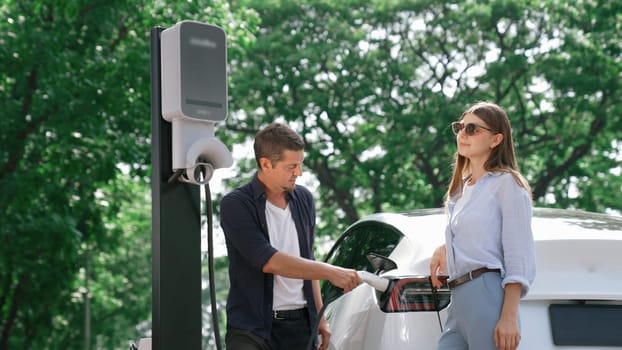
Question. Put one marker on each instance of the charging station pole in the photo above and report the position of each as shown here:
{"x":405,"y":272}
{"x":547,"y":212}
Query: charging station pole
{"x":176,"y":234}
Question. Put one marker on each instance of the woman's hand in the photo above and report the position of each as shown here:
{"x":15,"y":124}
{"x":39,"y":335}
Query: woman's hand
{"x":507,"y":332}
{"x":438,"y":264}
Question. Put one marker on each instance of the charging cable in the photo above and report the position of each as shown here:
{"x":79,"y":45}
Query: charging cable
{"x":436,"y":304}
{"x":205,"y":171}
{"x":210,"y":258}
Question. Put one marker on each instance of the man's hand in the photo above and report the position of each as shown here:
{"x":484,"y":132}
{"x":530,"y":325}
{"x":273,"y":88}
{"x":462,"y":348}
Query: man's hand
{"x":438,"y":265}
{"x":324,"y":331}
{"x":346,"y":279}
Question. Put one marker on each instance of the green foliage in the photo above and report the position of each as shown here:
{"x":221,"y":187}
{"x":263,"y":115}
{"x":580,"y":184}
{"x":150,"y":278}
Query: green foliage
{"x":373,"y":86}
{"x":74,"y":91}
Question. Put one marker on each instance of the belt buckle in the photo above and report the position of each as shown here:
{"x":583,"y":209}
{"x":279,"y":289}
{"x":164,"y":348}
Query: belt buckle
{"x":470,"y":275}
{"x":276,"y":315}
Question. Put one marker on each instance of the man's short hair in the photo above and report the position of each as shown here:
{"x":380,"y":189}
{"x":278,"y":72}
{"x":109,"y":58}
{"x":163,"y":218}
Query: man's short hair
{"x":274,"y":140}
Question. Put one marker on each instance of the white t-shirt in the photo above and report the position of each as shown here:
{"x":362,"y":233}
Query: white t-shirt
{"x":287,"y":292}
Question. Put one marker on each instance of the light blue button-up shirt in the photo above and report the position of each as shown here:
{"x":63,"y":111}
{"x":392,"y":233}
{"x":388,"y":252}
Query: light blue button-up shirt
{"x":490,"y":226}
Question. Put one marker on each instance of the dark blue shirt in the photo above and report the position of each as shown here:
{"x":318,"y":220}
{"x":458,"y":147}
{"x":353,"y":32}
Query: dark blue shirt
{"x":243,"y":220}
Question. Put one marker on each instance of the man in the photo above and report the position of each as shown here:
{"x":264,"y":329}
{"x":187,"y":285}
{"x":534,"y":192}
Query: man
{"x":269,"y":227}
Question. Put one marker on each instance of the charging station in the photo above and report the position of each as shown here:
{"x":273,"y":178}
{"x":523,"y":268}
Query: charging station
{"x":194,"y":96}
{"x":188,"y":97}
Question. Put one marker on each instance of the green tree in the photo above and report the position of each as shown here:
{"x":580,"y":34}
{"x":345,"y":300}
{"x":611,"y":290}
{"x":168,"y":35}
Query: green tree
{"x":74,"y":91}
{"x":110,"y":300}
{"x":373,"y":86}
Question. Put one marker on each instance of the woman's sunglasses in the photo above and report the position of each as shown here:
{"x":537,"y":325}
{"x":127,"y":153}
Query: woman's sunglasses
{"x":470,"y":128}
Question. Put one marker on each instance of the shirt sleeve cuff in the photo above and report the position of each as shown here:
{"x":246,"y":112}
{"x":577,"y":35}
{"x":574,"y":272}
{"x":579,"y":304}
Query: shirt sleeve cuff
{"x":517,"y":279}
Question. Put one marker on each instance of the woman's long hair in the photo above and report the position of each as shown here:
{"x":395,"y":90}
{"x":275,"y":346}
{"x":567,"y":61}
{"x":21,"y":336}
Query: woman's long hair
{"x":502,"y":157}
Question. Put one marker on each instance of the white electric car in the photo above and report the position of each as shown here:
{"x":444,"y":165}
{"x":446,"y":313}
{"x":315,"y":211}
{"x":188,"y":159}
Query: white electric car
{"x":574,"y":303}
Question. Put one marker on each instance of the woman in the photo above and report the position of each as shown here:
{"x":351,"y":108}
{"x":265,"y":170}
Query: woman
{"x":489,"y":250}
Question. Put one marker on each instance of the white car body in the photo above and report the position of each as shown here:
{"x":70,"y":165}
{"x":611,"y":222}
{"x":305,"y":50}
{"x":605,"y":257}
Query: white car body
{"x":579,"y":262}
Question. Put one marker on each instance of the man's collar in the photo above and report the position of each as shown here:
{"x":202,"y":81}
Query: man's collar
{"x":259,"y":191}
{"x":257,"y":188}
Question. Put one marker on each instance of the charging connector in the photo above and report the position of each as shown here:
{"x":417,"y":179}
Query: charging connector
{"x":379,"y":283}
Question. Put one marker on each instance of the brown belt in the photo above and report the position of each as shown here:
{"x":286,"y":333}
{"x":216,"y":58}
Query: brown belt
{"x":470,"y":276}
